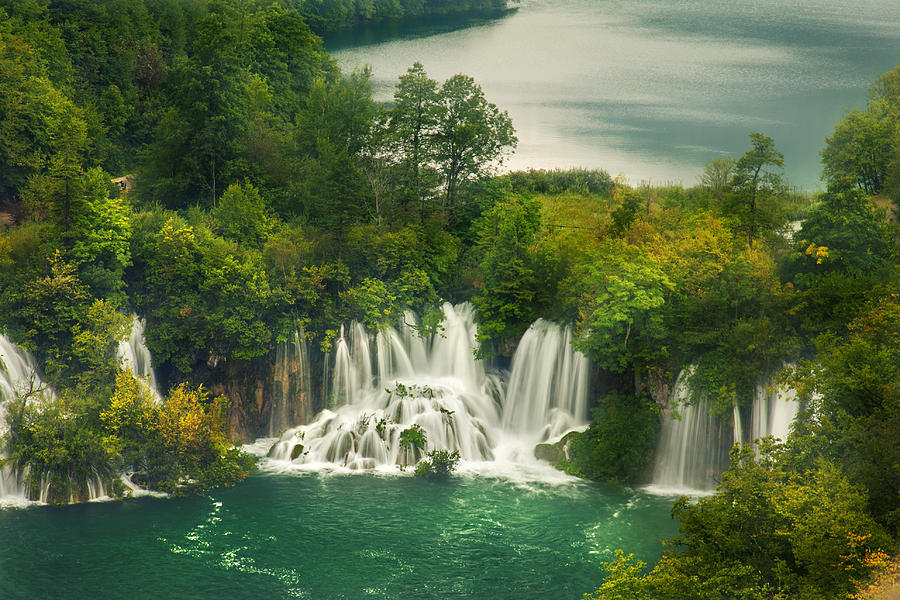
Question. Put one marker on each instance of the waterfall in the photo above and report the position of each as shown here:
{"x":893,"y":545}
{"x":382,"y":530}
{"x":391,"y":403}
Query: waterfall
{"x":292,"y":390}
{"x":773,"y":411}
{"x":352,"y":365}
{"x":548,"y":385}
{"x":693,"y":451}
{"x":18,"y":375}
{"x":384,"y":383}
{"x":133,"y":354}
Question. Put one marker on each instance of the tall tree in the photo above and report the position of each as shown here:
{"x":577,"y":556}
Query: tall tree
{"x":756,"y":186}
{"x":197,"y":142}
{"x":716,"y":176}
{"x":411,"y":123}
{"x":509,"y":294}
{"x":472,"y":134}
{"x":332,"y":131}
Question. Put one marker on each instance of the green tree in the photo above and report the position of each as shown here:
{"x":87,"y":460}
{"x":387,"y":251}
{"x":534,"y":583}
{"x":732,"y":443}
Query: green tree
{"x":203,"y":300}
{"x":620,"y":442}
{"x":843,"y":252}
{"x":844,"y":232}
{"x":331,"y":132}
{"x":241,"y":216}
{"x":624,"y":580}
{"x":49,"y":312}
{"x":770,"y":532}
{"x":510,"y":294}
{"x":858,"y":153}
{"x":716,"y":176}
{"x":757,"y":187}
{"x":44,"y":133}
{"x":412,"y":121}
{"x":211,"y":96}
{"x":854,"y":389}
{"x":471,"y":134}
{"x":622,"y":322}
{"x":100,"y":233}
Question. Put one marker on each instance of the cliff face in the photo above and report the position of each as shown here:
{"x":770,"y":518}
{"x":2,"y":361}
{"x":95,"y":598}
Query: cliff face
{"x":269,"y":395}
{"x":661,"y":385}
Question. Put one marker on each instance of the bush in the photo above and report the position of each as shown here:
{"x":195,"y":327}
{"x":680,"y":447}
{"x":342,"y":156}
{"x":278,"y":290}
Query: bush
{"x":413,"y":438}
{"x":620,"y":442}
{"x":440,"y":464}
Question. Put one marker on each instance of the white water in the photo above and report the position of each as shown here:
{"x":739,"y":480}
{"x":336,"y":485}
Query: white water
{"x":133,"y":354}
{"x":693,"y":451}
{"x":18,"y":375}
{"x":774,"y":410}
{"x":352,"y":365}
{"x":548,"y":386}
{"x":438,"y":384}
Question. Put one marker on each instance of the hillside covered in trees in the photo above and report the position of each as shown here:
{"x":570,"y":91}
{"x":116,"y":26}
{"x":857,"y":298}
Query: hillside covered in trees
{"x":266,"y":190}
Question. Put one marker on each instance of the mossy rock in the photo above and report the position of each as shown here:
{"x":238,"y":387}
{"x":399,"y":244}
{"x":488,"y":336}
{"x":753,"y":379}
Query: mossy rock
{"x":297,"y":451}
{"x":557,"y":452}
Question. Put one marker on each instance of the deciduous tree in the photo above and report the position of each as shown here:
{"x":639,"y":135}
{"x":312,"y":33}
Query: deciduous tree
{"x":471,"y":134}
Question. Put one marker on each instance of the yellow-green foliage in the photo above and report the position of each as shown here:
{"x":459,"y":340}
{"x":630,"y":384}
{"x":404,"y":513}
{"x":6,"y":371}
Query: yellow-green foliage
{"x":185,"y":439}
{"x":574,"y":223}
{"x":192,"y":423}
{"x":624,"y":580}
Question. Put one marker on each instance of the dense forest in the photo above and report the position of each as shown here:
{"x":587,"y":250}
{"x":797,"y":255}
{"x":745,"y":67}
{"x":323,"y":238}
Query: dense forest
{"x":264,"y":190}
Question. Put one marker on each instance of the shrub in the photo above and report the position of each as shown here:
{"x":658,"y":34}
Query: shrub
{"x":440,"y":464}
{"x":620,"y":442}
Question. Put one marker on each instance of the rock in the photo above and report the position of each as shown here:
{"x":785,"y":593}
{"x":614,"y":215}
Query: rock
{"x":557,"y":452}
{"x":297,"y":451}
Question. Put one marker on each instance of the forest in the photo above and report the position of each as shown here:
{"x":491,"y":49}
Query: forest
{"x":264,"y":189}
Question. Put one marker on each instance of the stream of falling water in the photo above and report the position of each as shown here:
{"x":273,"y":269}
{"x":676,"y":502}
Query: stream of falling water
{"x":18,"y":376}
{"x":133,"y":354}
{"x":386,"y":382}
{"x":693,"y":449}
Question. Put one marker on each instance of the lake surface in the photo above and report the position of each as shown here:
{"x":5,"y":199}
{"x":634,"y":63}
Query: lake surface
{"x":322,"y":536}
{"x":649,"y":89}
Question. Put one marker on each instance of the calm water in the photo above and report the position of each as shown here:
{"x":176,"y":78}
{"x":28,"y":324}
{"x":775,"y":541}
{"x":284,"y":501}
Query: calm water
{"x":655,"y":89}
{"x":340,"y":536}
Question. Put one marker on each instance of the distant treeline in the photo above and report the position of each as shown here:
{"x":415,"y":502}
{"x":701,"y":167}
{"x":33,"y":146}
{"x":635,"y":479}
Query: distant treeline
{"x":331,"y":15}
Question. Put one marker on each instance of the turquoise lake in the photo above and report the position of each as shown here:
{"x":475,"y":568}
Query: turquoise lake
{"x":654,"y":89}
{"x":333,"y":536}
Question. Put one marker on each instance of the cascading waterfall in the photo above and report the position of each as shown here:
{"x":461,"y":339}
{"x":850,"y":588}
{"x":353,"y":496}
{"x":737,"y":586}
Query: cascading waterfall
{"x":18,"y":375}
{"x":693,"y":451}
{"x":774,"y":410}
{"x":439,"y":385}
{"x":549,"y":378}
{"x":352,"y":365}
{"x":133,"y":354}
{"x":293,"y":388}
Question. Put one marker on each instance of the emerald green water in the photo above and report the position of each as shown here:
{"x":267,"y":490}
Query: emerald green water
{"x":333,"y":536}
